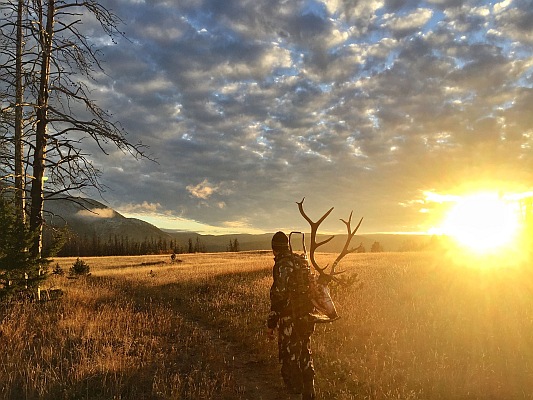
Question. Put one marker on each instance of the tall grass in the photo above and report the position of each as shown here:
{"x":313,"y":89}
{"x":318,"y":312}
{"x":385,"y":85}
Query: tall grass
{"x":102,"y":342}
{"x":420,"y":327}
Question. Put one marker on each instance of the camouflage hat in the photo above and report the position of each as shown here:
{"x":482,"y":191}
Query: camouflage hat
{"x":280,"y":241}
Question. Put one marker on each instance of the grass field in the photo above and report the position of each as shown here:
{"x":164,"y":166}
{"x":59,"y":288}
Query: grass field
{"x":418,"y":328}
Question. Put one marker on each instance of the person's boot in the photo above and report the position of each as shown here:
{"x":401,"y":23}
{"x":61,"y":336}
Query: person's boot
{"x":292,"y":381}
{"x":309,"y":391}
{"x":294,"y":387}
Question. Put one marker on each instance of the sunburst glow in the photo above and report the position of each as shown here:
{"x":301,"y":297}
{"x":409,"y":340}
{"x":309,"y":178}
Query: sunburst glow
{"x":483,"y":222}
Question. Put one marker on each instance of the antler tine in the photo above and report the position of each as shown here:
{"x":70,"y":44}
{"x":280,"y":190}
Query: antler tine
{"x":345,"y":250}
{"x":314,"y":229}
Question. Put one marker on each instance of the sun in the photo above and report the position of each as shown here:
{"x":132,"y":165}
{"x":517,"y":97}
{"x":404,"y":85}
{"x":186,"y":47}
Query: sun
{"x":482,"y":222}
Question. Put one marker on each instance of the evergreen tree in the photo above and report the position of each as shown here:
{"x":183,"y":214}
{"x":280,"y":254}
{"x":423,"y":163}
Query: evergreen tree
{"x":376,"y":247}
{"x":234,"y":246}
{"x":19,"y":269}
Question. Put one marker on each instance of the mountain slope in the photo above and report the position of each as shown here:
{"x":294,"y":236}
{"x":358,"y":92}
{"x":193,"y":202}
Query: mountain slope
{"x":88,"y":217}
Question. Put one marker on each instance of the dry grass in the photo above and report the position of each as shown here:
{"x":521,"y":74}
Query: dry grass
{"x":419,"y":328}
{"x":105,"y":339}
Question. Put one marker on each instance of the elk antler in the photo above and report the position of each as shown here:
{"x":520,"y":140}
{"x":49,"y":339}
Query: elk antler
{"x":348,"y":240}
{"x":314,"y":245}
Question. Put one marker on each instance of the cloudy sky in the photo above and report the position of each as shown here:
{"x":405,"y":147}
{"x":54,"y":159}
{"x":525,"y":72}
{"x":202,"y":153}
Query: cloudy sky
{"x":379,"y":106}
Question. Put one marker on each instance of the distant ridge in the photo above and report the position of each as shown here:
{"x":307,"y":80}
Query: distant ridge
{"x":389,"y":242}
{"x":88,"y":218}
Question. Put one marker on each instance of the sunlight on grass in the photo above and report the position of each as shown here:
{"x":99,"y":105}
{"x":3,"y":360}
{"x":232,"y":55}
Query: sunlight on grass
{"x":421,"y":326}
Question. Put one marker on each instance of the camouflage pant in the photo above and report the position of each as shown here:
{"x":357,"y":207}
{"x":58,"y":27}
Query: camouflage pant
{"x":294,"y":343}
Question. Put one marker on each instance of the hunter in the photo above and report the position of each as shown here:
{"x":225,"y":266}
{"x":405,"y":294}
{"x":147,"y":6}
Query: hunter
{"x":291,"y":315}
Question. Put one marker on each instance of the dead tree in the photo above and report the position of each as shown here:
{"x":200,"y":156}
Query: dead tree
{"x":56,"y":111}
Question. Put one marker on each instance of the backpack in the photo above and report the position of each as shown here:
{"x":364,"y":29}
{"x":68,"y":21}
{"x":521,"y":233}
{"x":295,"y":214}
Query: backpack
{"x":298,"y":283}
{"x":308,"y":297}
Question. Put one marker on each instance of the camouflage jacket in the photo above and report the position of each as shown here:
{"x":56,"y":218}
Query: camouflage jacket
{"x":284,"y":300}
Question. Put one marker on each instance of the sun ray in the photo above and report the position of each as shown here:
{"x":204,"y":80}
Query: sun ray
{"x":482,"y":222}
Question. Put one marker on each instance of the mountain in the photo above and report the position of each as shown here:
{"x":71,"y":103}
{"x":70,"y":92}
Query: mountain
{"x":91,"y":220}
{"x":88,"y":217}
{"x":247,"y":242}
{"x":217,"y":243}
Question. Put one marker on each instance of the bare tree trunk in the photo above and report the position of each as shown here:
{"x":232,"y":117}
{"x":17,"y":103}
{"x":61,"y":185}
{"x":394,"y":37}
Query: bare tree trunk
{"x":37,"y":188}
{"x":20,"y":181}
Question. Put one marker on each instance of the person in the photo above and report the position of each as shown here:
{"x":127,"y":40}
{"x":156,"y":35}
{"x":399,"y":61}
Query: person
{"x":290,"y":315}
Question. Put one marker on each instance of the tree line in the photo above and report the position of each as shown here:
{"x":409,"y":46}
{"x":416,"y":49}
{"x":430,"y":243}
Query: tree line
{"x":94,"y":245}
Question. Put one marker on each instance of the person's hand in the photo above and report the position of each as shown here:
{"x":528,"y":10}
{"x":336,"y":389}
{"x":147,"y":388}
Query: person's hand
{"x":271,"y":334}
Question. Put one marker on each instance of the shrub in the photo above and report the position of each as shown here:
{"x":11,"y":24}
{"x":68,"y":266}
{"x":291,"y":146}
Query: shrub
{"x":80,"y":267}
{"x":58,"y":270}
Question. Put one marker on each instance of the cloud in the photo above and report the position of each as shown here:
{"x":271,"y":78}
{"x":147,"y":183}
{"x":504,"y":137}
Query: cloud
{"x":403,"y":25}
{"x":144,"y":207}
{"x":252,"y":105}
{"x":203,"y":190}
{"x":96,"y":213}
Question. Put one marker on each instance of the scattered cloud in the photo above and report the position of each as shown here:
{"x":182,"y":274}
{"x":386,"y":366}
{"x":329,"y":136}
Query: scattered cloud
{"x":144,"y":207}
{"x":96,"y":213}
{"x":250,"y":106}
{"x":203,"y":190}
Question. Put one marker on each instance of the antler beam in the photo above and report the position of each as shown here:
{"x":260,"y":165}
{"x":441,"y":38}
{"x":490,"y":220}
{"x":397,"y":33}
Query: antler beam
{"x":314,"y":244}
{"x":314,"y":229}
{"x":345,"y":250}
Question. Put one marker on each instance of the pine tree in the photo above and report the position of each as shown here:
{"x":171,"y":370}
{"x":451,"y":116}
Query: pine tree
{"x":376,"y":247}
{"x":19,"y":269}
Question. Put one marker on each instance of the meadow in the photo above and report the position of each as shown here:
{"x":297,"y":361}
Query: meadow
{"x":417,"y":326}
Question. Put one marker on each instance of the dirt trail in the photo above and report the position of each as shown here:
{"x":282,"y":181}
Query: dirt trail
{"x":254,"y":379}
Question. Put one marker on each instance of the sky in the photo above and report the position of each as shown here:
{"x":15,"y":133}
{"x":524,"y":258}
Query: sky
{"x":375,"y":106}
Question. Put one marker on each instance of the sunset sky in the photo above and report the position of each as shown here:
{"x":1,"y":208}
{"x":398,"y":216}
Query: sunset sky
{"x":383,"y":107}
